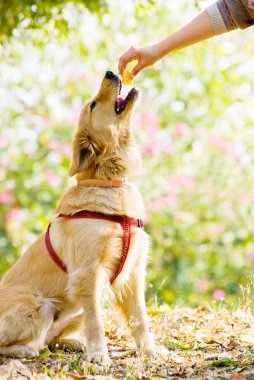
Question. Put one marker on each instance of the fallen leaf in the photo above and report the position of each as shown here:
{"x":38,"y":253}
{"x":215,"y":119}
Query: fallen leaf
{"x":238,"y":376}
{"x":227,"y":354}
{"x":77,"y":376}
{"x":15,"y":367}
{"x":234,"y":343}
{"x":213,"y":341}
{"x":247,"y":338}
{"x":120,"y":355}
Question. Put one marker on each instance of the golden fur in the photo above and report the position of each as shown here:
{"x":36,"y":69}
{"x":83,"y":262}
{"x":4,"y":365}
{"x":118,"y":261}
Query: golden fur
{"x":39,"y":303}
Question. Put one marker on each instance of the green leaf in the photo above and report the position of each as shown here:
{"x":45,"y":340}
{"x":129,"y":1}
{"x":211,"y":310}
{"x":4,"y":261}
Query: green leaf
{"x":44,"y":353}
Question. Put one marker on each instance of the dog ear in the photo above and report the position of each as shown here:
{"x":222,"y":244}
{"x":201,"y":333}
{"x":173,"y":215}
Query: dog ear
{"x":79,"y":162}
{"x":83,"y":155}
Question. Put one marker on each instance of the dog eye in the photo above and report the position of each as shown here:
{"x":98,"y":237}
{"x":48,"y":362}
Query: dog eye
{"x":93,"y":104}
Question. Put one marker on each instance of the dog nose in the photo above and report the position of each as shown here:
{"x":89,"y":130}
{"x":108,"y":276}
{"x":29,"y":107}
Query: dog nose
{"x":109,"y":75}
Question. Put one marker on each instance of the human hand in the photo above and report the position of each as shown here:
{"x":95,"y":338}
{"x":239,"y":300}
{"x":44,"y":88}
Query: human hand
{"x":146,"y":56}
{"x":251,"y":4}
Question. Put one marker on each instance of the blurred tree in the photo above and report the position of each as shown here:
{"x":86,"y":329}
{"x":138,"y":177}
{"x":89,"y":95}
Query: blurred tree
{"x":35,"y":13}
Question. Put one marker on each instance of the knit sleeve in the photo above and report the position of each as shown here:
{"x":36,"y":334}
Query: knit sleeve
{"x":227,"y":15}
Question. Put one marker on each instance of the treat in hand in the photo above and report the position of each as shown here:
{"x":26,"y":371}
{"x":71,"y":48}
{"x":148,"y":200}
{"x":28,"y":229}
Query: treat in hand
{"x":126,"y":77}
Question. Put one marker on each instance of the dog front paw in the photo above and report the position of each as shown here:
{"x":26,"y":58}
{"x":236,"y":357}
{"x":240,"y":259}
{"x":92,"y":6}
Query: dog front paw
{"x":153,"y":351}
{"x":100,"y":358}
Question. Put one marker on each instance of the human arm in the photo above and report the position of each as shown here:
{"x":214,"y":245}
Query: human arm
{"x":221,"y":17}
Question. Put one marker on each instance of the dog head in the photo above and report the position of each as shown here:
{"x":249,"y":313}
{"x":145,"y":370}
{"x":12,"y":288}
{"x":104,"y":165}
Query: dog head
{"x":103,"y":146}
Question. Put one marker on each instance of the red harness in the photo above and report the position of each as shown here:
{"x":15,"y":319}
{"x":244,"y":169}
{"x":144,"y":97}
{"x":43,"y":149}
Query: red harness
{"x":125,"y":222}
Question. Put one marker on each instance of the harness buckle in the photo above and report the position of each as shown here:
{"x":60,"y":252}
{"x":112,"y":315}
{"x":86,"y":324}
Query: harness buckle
{"x":140,"y":223}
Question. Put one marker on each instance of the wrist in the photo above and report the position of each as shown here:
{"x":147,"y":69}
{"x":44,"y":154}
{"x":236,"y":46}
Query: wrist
{"x":156,"y":52}
{"x":163,"y":47}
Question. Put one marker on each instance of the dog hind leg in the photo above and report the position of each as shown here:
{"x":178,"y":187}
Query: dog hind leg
{"x":18,"y":350}
{"x":23,"y":327}
{"x":60,"y":329}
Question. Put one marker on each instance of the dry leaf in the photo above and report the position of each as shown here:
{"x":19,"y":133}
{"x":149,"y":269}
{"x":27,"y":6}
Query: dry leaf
{"x":247,"y":338}
{"x":76,"y":376}
{"x":234,"y":343}
{"x":225,"y":354}
{"x":121,"y":355}
{"x":238,"y":376}
{"x":15,"y":367}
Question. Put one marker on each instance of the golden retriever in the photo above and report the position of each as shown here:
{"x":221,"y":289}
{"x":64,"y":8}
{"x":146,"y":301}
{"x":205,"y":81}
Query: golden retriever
{"x":39,"y":302}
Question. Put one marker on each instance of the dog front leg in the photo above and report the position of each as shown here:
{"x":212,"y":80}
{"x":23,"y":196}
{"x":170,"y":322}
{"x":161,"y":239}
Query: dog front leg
{"x":94,"y":332}
{"x":88,"y":292}
{"x":133,"y":307}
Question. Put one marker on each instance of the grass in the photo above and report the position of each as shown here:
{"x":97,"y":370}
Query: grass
{"x":203,"y":343}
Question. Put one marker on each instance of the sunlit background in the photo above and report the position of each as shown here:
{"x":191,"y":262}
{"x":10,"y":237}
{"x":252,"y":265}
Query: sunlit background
{"x":194,"y":126}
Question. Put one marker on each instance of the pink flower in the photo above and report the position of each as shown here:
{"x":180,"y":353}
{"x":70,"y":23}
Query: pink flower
{"x":180,"y":130}
{"x":251,"y":257}
{"x":182,"y":181}
{"x":149,"y":119}
{"x":93,"y":82}
{"x":77,"y":76}
{"x":224,"y":146}
{"x":5,"y":196}
{"x":246,"y":199}
{"x":201,"y":132}
{"x":3,"y":141}
{"x":150,"y":149}
{"x":169,"y":200}
{"x":65,"y":149}
{"x":229,"y":212}
{"x":218,"y":295}
{"x":53,"y":179}
{"x":170,"y":150}
{"x":53,"y":144}
{"x":73,"y":115}
{"x":15,"y":215}
{"x":202,"y":286}
{"x":46,"y":122}
{"x":218,"y":228}
{"x":136,"y":120}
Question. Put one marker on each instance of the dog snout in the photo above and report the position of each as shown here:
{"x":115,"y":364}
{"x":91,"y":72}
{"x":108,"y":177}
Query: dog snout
{"x":110,"y":75}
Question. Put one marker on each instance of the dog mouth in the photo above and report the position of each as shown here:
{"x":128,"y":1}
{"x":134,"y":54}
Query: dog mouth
{"x":121,"y":103}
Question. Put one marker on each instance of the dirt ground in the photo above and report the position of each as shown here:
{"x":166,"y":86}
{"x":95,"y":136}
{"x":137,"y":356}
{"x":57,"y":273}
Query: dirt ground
{"x":202,"y":343}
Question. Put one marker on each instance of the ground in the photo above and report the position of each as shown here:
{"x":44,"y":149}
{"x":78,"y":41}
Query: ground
{"x":203,"y":343}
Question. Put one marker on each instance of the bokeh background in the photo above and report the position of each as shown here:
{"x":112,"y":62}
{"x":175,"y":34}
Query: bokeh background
{"x":194,"y":126}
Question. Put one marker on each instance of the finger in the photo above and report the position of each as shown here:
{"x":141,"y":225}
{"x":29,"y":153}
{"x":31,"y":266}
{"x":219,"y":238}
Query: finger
{"x":123,"y":61}
{"x":136,"y":69}
{"x":127,"y":57}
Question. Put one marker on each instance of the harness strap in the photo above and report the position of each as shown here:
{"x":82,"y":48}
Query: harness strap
{"x":126,"y":226}
{"x":52,"y":252}
{"x":126,"y":223}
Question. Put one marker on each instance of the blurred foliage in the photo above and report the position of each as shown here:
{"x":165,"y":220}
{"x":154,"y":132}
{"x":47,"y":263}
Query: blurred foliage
{"x":35,"y":14}
{"x":194,"y":126}
{"x":31,"y":14}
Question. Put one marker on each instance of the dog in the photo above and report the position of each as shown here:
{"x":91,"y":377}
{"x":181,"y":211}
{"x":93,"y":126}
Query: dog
{"x":59,"y":284}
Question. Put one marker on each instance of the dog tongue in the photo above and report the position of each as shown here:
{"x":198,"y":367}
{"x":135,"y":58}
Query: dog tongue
{"x":120,"y":101}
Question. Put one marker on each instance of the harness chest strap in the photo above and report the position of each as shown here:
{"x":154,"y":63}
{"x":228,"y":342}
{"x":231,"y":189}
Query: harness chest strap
{"x":126,"y":223}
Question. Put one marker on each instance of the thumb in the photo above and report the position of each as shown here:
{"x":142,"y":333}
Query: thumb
{"x":136,"y":69}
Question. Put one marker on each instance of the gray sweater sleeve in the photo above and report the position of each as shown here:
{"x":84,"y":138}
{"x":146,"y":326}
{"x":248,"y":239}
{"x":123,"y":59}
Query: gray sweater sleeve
{"x":227,"y":15}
